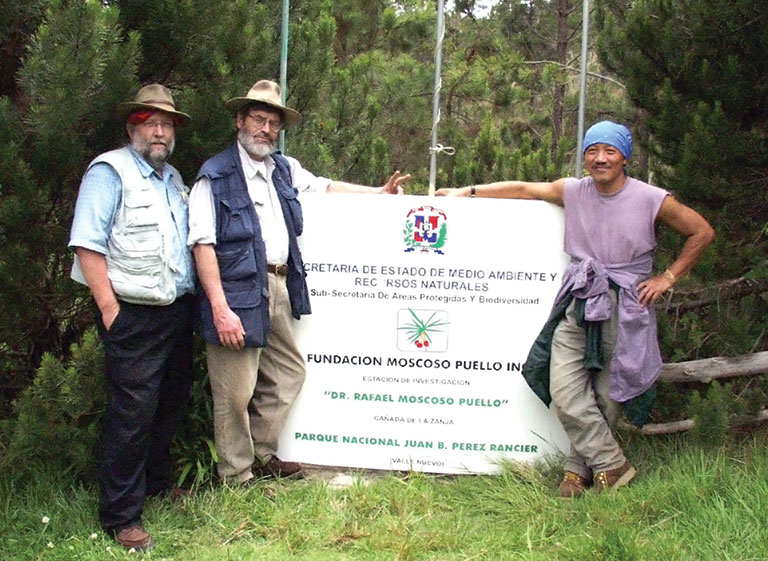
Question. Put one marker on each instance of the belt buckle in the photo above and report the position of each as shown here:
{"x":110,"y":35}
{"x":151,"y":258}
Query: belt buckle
{"x":280,"y":270}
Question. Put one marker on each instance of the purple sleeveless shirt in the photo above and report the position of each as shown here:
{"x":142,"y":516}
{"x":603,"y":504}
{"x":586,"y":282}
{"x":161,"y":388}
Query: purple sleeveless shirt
{"x":612,"y":237}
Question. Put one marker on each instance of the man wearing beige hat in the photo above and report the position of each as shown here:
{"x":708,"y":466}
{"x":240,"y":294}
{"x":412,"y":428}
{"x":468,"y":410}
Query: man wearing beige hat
{"x":129,"y":237}
{"x":245,"y":218}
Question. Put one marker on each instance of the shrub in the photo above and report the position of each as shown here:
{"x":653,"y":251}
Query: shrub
{"x":713,"y":414}
{"x":56,"y":422}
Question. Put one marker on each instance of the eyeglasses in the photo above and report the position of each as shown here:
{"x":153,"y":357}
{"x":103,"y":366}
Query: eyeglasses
{"x":260,"y":121}
{"x":165,"y":125}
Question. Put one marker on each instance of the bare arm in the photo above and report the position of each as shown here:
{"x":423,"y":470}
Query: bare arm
{"x":227,"y":322}
{"x":94,"y":267}
{"x":393,"y":186}
{"x":700,"y":235}
{"x":544,"y":191}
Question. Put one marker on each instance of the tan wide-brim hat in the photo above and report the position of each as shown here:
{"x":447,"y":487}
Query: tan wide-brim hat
{"x":266,"y":91}
{"x":154,"y":97}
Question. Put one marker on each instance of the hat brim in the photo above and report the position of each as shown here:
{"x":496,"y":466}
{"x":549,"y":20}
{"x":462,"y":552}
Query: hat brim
{"x":128,"y":107}
{"x":292,"y":117}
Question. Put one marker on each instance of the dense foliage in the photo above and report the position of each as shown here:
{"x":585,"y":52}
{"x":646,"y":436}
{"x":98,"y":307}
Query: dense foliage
{"x":361,"y":73}
{"x":688,"y":76}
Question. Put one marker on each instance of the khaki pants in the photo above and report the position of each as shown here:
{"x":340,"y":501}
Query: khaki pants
{"x":253,"y":390}
{"x":587,"y":413}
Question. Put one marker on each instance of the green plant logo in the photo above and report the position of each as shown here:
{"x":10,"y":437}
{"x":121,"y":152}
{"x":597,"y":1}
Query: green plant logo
{"x":422,"y":330}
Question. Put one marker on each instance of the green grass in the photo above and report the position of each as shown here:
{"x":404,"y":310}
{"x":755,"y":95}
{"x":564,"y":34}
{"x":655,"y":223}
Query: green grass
{"x":687,"y":503}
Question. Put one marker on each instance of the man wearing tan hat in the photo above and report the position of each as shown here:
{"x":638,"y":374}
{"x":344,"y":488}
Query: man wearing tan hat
{"x":245,"y":219}
{"x":129,"y":237}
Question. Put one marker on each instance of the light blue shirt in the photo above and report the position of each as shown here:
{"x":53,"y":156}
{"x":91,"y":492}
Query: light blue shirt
{"x":98,"y":202}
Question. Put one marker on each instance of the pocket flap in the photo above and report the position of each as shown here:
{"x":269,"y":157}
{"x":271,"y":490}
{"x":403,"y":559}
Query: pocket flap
{"x":139,"y":198}
{"x":243,"y":295}
{"x":236,"y":204}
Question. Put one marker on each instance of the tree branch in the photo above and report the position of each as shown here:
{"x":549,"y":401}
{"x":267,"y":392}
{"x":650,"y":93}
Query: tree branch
{"x":708,"y":369}
{"x":681,"y":426}
{"x":572,"y":69}
{"x":700,"y":297}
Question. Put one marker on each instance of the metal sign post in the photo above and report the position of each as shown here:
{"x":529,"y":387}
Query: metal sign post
{"x":435,"y":147}
{"x":582,"y":87}
{"x":284,"y":62}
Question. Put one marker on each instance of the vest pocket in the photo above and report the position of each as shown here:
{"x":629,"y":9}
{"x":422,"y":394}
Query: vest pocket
{"x":241,"y":295}
{"x":236,"y":265}
{"x":141,"y":243}
{"x":142,"y":280}
{"x":236,"y":219}
{"x":136,"y":251}
{"x":137,"y":213}
{"x":245,"y":300}
{"x":294,"y":207}
{"x":141,"y":273}
{"x":136,"y":269}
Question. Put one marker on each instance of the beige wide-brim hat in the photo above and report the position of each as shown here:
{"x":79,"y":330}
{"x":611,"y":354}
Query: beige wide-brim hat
{"x":154,"y":97}
{"x":266,"y":91}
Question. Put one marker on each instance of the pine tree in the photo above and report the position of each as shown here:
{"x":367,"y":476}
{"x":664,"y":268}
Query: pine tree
{"x":697,"y":70}
{"x":75,"y":67}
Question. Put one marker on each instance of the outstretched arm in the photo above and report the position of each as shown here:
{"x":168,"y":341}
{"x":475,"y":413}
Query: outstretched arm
{"x":700,"y":235}
{"x":545,"y":191}
{"x":393,"y":186}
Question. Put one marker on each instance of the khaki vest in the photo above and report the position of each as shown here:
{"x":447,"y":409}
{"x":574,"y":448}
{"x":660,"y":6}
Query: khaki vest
{"x":138,"y":248}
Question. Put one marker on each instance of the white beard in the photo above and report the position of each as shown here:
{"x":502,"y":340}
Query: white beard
{"x":257,"y":150}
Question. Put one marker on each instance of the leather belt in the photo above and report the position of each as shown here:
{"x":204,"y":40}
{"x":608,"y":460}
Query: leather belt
{"x":281,"y":270}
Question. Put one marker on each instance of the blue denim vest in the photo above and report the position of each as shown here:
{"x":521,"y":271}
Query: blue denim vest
{"x":240,"y":250}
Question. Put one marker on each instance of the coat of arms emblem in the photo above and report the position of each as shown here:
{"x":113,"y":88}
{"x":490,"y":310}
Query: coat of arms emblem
{"x":425,"y":229}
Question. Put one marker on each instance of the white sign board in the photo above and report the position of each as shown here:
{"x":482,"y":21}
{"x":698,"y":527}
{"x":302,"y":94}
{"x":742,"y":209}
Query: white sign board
{"x":423,"y":312}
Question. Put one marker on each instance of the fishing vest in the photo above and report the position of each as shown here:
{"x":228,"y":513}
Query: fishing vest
{"x":240,"y":249}
{"x":138,"y":249}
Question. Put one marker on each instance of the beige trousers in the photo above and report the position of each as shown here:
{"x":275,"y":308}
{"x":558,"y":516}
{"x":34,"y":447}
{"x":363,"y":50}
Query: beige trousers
{"x":253,"y":390}
{"x":587,"y":413}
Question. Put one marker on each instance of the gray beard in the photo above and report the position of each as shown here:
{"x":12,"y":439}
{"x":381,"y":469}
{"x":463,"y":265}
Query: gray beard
{"x":257,"y":150}
{"x":156,"y":160}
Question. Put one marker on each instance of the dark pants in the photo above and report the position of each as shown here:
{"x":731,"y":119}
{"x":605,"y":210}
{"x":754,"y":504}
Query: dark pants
{"x":148,"y":363}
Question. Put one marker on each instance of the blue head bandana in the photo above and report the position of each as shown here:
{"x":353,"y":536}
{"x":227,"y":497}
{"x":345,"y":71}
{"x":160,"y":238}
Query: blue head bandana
{"x":608,"y":132}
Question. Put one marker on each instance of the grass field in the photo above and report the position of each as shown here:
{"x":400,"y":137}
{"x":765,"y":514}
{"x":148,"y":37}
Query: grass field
{"x":687,"y":503}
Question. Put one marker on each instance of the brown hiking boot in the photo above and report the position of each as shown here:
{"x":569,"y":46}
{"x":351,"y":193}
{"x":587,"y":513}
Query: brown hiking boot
{"x":614,"y":478}
{"x":135,"y":537}
{"x":276,"y":467}
{"x":573,"y":485}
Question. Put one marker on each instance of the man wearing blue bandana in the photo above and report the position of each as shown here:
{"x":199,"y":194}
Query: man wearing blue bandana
{"x":598,"y":351}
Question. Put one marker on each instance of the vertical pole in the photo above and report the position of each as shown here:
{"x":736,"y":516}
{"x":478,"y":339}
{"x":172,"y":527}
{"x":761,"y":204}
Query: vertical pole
{"x":436,"y":97}
{"x":582,"y":87}
{"x":284,"y":62}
